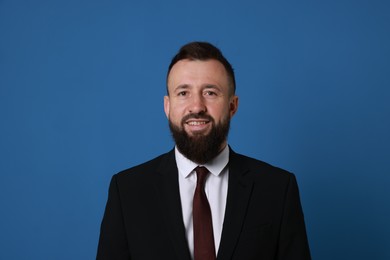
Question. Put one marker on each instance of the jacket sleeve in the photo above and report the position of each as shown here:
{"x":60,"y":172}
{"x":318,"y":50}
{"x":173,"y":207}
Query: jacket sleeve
{"x":293,"y":243}
{"x":113,"y":243}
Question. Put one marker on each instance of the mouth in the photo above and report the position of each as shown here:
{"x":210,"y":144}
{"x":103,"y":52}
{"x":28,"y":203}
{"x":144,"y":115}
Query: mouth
{"x":197,"y":122}
{"x":197,"y":125}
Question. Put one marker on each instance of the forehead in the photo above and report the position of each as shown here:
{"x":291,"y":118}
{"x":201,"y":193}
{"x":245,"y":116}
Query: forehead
{"x":197,"y":72}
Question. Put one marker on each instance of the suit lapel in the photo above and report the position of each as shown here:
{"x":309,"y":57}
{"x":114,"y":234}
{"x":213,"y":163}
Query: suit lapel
{"x":169,"y":196}
{"x":239,"y":192}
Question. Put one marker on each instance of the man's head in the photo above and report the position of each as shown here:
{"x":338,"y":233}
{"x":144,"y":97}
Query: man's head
{"x":203,"y":51}
{"x":201,"y":100}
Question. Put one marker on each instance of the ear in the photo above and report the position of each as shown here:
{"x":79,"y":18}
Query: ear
{"x":166,"y":106}
{"x":233,"y":106}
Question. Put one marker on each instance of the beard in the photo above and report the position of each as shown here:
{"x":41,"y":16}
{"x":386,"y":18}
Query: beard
{"x":200,"y":148}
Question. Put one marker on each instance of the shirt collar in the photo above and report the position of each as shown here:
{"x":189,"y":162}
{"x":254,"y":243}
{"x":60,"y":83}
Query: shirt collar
{"x":215,"y":166}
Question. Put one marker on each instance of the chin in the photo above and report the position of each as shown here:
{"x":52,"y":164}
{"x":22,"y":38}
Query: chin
{"x":197,"y":133}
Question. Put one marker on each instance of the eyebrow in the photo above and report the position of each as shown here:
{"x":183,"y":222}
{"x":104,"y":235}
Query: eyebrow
{"x":214,"y":87}
{"x":207,"y":86}
{"x":183,"y":86}
{"x":211,"y":86}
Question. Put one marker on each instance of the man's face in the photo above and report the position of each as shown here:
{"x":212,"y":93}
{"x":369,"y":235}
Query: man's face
{"x":199,"y":100}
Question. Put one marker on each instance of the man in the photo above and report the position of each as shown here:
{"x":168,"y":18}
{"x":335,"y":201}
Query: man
{"x":202,"y":200}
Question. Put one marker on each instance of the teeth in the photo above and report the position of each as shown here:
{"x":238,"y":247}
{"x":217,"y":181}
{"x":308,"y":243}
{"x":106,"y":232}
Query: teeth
{"x":196,"y":123}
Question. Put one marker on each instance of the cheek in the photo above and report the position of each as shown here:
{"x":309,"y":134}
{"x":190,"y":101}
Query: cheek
{"x":220,"y":113}
{"x":175,"y":114}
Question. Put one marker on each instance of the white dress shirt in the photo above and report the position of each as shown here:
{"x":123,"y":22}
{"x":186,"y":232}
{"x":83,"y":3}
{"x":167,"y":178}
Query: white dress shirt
{"x":216,"y":191}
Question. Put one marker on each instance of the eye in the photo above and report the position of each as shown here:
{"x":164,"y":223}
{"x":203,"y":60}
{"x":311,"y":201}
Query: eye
{"x":210,"y":93}
{"x":182,"y":93}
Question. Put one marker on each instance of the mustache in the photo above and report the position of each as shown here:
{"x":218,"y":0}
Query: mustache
{"x":197,"y":116}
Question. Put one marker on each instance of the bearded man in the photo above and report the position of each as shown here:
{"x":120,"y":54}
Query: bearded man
{"x":202,"y":200}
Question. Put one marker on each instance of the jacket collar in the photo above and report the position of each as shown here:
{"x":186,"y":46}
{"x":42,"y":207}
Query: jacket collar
{"x":239,"y":191}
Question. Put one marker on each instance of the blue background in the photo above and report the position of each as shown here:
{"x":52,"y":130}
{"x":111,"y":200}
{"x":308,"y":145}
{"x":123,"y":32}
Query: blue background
{"x":81,"y":98}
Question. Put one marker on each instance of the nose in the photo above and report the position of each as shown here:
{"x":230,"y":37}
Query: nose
{"x":197,"y":104}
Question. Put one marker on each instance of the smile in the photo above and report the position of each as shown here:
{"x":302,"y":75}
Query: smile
{"x":197,"y":123}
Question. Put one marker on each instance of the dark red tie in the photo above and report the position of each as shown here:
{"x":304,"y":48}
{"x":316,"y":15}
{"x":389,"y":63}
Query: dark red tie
{"x":203,"y":227}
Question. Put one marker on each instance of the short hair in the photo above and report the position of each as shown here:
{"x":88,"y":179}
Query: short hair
{"x":204,"y":51}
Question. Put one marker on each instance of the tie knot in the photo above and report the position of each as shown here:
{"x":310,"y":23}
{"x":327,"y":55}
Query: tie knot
{"x":201,"y":174}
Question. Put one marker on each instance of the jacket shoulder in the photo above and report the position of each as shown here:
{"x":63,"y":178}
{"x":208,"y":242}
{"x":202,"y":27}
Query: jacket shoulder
{"x":148,"y":168}
{"x":256,"y":166}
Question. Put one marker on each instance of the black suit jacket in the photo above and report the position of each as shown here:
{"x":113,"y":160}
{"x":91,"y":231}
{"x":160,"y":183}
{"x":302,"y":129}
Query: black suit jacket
{"x":263,"y":217}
